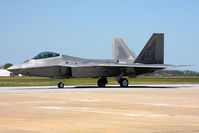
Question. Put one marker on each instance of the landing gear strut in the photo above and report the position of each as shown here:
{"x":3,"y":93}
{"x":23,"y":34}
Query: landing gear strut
{"x":102,"y":82}
{"x":61,"y":85}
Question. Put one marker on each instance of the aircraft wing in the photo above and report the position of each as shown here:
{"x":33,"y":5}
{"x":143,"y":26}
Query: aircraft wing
{"x":161,"y":66}
{"x":135,"y":65}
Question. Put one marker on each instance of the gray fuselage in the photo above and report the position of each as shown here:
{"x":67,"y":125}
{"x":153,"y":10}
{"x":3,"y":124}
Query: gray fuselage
{"x":64,"y":66}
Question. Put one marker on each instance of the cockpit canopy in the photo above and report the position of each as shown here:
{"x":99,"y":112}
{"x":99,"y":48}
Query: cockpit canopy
{"x":46,"y":55}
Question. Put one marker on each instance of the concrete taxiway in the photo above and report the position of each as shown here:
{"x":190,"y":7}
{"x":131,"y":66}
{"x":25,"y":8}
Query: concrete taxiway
{"x":43,"y":89}
{"x":88,"y":109}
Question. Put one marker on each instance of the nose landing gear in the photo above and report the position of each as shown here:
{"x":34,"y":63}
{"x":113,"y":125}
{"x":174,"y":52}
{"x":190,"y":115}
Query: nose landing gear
{"x":60,"y":85}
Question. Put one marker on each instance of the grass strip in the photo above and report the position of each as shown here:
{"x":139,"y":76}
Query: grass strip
{"x":42,"y":81}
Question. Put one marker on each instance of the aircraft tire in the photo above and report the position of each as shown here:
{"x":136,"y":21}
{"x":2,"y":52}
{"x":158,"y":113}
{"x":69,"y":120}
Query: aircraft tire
{"x":102,"y":82}
{"x":124,"y":82}
{"x":61,"y":85}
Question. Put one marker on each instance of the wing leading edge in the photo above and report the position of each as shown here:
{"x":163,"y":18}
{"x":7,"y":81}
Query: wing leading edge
{"x":138,"y":65}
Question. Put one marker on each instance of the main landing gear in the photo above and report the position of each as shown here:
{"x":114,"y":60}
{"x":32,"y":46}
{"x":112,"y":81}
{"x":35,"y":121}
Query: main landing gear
{"x":60,"y":85}
{"x":122,"y":81}
{"x":102,"y":82}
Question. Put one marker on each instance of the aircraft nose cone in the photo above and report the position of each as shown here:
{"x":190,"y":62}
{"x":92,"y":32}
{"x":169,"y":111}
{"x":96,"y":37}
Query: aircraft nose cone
{"x":11,"y":68}
{"x":14,"y":69}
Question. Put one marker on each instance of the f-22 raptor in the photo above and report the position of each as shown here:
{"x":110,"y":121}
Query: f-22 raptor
{"x":124,"y":63}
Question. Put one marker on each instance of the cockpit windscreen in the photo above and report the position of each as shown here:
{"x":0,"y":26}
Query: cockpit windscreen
{"x":46,"y":55}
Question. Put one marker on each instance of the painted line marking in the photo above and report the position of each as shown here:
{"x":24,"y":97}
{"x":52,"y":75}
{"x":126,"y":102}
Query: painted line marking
{"x":107,"y":122}
{"x":161,"y":104}
{"x":50,"y":107}
{"x":146,"y":115}
{"x":88,"y":100}
{"x":60,"y":127}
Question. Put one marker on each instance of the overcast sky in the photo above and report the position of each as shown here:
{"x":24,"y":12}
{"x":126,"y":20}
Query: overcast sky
{"x":84,"y":28}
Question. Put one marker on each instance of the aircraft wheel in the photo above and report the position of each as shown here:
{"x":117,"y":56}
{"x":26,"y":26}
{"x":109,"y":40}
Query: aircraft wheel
{"x":124,"y":82}
{"x":61,"y":85}
{"x":102,"y":82}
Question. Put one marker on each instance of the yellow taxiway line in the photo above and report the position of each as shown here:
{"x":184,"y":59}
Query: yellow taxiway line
{"x":108,"y":122}
{"x":59,"y":127}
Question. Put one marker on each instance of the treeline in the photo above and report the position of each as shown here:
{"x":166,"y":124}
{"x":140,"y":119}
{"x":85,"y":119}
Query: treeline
{"x":172,"y":73}
{"x":7,"y":65}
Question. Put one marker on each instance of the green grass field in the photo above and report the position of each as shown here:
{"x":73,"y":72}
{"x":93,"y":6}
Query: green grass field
{"x":40,"y":81}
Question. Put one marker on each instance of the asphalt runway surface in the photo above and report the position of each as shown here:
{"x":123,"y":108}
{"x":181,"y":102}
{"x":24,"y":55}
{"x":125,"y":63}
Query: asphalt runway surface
{"x":89,"y":109}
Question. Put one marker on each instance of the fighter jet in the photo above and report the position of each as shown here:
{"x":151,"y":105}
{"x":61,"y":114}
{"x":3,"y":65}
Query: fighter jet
{"x":125,"y":63}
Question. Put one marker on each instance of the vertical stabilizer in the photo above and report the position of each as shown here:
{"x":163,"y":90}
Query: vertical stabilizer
{"x":153,"y":52}
{"x":121,"y":50}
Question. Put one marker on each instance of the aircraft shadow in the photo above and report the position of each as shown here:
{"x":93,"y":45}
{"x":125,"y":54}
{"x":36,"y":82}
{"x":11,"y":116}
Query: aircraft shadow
{"x":161,"y":87}
{"x":96,"y":87}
